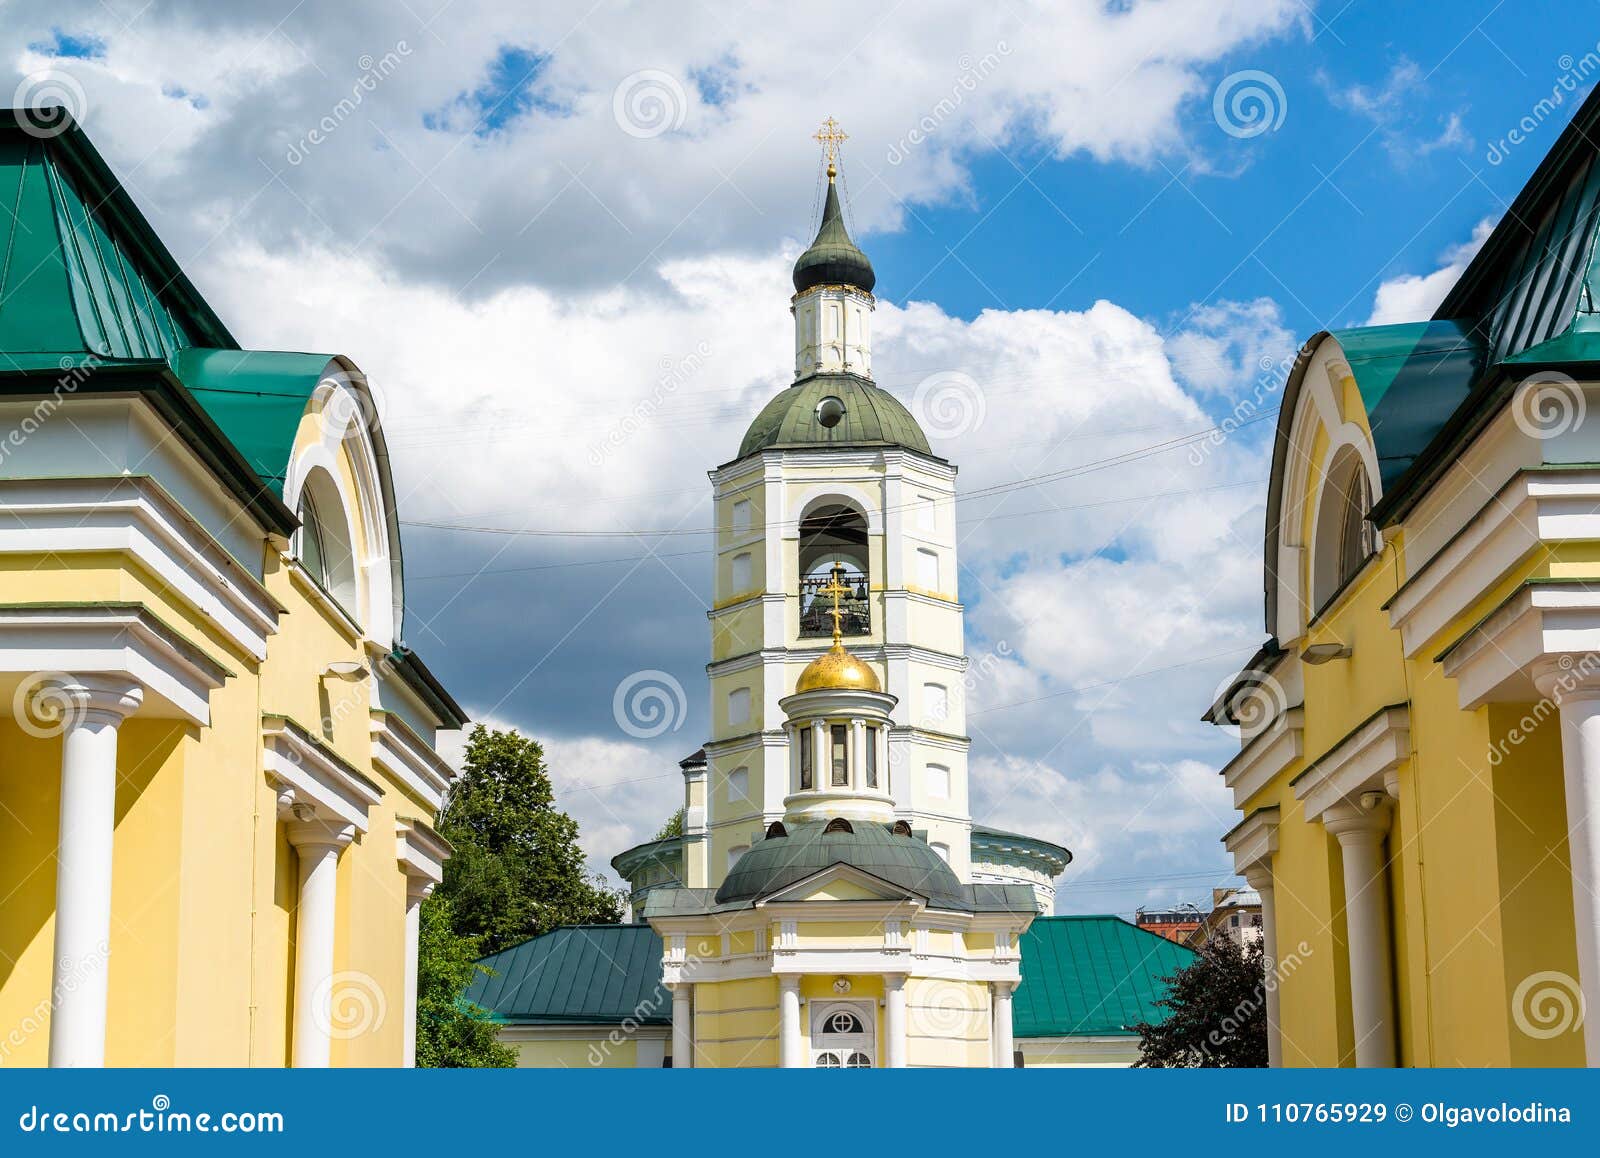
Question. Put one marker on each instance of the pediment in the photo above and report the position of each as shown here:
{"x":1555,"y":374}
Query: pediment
{"x":842,"y":882}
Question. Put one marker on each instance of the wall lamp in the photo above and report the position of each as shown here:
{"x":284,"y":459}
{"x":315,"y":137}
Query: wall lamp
{"x":1320,"y":653}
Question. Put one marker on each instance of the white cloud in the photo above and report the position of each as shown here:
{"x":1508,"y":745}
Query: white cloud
{"x":1413,"y":297}
{"x":553,"y":189}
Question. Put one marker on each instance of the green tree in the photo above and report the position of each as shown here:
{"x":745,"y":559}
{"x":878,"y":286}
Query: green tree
{"x":673,"y":826}
{"x":517,"y":870}
{"x":451,"y":1032}
{"x":1216,"y":1012}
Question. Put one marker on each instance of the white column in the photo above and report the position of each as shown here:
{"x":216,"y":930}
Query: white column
{"x":417,"y":890}
{"x":318,"y":844}
{"x":791,"y":1055}
{"x":683,"y":1025}
{"x":92,"y":709}
{"x":1360,"y":828}
{"x":1004,"y":1047}
{"x":1259,"y":876}
{"x":821,"y":757}
{"x":1580,"y":761}
{"x":894,"y":1020}
{"x":858,"y":754}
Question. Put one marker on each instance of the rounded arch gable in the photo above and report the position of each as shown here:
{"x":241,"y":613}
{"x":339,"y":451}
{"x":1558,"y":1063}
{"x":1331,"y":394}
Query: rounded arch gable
{"x":348,"y":446}
{"x":1313,"y":433}
{"x":814,"y":498}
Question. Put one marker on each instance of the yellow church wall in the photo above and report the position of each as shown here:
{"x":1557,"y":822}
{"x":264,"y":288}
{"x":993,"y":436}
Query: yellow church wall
{"x":736,"y":1023}
{"x":556,"y":1053}
{"x":839,"y":935}
{"x":30,"y":784}
{"x":947,"y":1023}
{"x":1480,"y":887}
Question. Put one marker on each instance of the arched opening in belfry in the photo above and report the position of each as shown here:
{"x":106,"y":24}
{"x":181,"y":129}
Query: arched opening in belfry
{"x":832,"y":536}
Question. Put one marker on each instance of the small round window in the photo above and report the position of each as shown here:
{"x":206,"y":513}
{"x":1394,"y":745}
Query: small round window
{"x":830,"y":412}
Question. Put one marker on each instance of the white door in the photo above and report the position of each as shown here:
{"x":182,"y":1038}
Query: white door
{"x":842,"y":1035}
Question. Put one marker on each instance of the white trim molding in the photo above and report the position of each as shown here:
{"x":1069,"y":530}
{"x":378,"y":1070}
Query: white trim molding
{"x":133,"y":515}
{"x":1367,"y":760}
{"x":309,"y":775}
{"x":112,"y":639}
{"x":1494,"y":661}
{"x":420,"y":852}
{"x":410,"y":759}
{"x":1266,"y":754}
{"x":1254,"y":841}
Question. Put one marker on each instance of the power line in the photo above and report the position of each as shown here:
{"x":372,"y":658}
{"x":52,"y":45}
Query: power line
{"x":985,"y":492}
{"x":708,"y":551}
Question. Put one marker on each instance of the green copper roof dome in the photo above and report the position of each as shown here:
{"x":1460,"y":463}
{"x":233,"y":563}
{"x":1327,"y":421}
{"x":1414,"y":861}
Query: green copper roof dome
{"x":872,"y":417}
{"x":833,"y":258}
{"x":780,"y":861}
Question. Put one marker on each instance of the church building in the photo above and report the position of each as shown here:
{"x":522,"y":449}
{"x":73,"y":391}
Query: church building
{"x":830,"y":902}
{"x":1419,"y":769}
{"x":217,"y":765}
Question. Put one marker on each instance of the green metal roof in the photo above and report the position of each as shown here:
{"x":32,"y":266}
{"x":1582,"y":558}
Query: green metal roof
{"x":1094,"y":976}
{"x":578,"y":975}
{"x":872,"y":417}
{"x":81,"y":271}
{"x":1081,"y":976}
{"x":833,"y":259}
{"x":777,"y":862}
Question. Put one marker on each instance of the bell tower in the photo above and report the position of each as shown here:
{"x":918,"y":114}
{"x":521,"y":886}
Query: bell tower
{"x":837,"y":658}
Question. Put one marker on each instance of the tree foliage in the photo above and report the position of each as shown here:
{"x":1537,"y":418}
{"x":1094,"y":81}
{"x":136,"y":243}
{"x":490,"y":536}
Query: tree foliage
{"x":451,"y":1032}
{"x":517,"y":870}
{"x":1216,"y":1012}
{"x":672,"y":826}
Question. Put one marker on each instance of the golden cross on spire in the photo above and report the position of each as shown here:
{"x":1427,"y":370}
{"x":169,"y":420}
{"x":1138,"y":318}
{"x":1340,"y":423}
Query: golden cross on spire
{"x":831,"y":136}
{"x":836,"y":587}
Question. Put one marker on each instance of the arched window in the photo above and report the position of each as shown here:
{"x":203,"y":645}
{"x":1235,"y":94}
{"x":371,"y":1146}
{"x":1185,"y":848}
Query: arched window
{"x":833,"y":534}
{"x":1340,"y":547}
{"x":842,"y":1037}
{"x":323,"y":546}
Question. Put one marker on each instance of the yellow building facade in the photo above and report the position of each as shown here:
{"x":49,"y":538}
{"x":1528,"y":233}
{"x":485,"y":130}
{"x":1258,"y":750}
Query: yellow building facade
{"x":1419,"y":767}
{"x":217,"y":769}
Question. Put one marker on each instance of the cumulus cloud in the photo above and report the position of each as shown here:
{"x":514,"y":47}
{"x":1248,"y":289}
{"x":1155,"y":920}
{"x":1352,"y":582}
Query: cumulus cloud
{"x":478,"y":144}
{"x":570,"y":316}
{"x":1413,"y":297}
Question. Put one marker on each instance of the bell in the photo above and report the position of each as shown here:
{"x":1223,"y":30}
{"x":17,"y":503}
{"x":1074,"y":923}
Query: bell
{"x":861,"y":588}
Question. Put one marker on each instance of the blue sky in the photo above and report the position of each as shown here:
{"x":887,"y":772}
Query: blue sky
{"x":557,"y":238}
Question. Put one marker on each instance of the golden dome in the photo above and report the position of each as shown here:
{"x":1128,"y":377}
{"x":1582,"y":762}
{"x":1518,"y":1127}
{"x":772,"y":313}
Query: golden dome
{"x":837,"y":668}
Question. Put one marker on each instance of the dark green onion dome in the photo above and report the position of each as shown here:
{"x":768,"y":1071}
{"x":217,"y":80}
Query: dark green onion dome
{"x":871,"y":417}
{"x":833,"y":258}
{"x":908,"y":861}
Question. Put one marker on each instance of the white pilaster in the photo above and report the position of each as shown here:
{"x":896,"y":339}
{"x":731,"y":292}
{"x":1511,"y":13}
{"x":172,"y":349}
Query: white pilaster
{"x":1579,"y":701}
{"x":1259,"y":876}
{"x":93,"y":709}
{"x":894,"y":1020}
{"x":1360,"y":829}
{"x":683,"y":1025}
{"x":791,"y":1055}
{"x":317,"y":843}
{"x":1004,"y":1045}
{"x":417,"y":891}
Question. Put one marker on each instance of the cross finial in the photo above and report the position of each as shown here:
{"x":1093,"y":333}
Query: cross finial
{"x":831,"y":136}
{"x":836,"y":587}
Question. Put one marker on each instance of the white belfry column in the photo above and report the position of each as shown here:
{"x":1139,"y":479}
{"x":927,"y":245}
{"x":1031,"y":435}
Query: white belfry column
{"x":1579,"y":702}
{"x":1004,"y":1048}
{"x":682,"y":1025}
{"x":894,"y":1020}
{"x":92,"y":709}
{"x":790,"y":1054}
{"x":1360,"y":828}
{"x":318,"y":844}
{"x":417,"y":891}
{"x":1259,"y":877}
